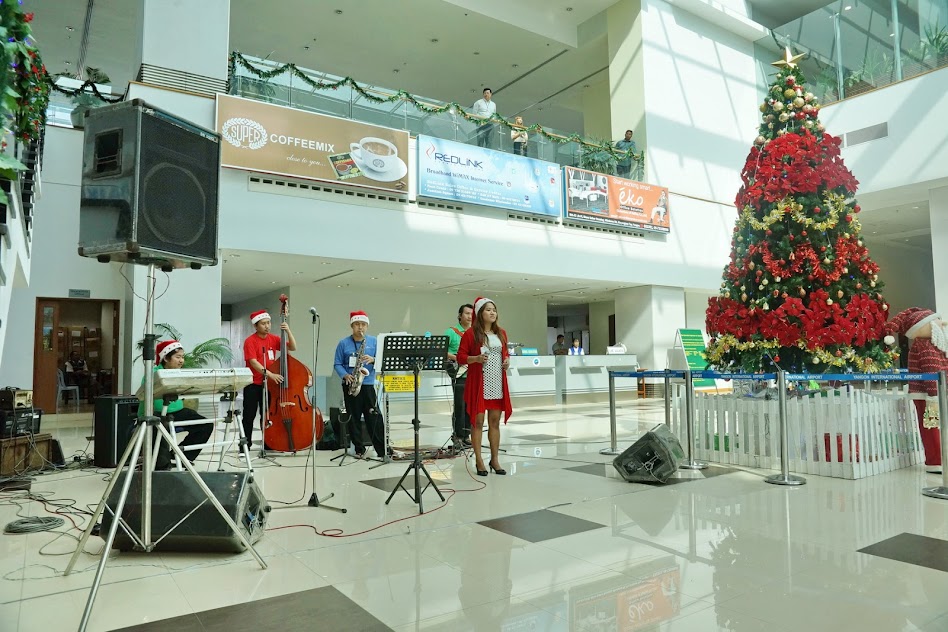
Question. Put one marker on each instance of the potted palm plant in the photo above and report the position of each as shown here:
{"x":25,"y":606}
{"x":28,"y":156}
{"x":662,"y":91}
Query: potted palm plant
{"x":935,"y":45}
{"x":201,"y":355}
{"x":596,"y":156}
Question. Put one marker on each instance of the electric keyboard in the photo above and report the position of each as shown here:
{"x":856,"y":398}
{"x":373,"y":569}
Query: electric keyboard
{"x":198,"y":382}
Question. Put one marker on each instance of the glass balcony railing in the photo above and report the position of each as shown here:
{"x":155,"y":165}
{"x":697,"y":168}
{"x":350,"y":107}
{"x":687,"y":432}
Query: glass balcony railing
{"x":854,"y":46}
{"x":400,"y":113}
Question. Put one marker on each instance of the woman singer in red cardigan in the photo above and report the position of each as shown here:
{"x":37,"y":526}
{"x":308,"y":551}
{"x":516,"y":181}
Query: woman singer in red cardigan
{"x":484,"y":350}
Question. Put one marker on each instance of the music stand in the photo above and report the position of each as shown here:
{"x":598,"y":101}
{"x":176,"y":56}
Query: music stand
{"x":415,"y":354}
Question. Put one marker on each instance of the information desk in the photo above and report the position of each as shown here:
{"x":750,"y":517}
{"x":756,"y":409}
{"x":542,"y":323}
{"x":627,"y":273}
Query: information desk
{"x":590,"y":374}
{"x":531,"y":375}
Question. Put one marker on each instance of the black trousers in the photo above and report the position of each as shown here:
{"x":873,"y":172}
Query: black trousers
{"x":197,"y":435}
{"x":253,"y":404}
{"x":364,"y":406}
{"x":462,"y":422}
{"x":485,"y":135}
{"x":520,"y":148}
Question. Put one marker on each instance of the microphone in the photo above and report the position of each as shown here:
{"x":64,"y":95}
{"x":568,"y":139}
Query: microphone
{"x":312,"y":310}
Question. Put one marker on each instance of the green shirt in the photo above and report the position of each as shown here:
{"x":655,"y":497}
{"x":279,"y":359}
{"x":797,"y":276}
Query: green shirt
{"x":173,"y":407}
{"x":454,"y":339}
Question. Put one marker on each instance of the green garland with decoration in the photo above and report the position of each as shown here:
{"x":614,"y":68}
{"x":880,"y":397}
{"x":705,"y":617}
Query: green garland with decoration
{"x":236,"y":59}
{"x":24,"y":87}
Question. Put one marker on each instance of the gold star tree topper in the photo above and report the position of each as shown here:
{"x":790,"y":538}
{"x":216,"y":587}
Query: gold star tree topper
{"x":789,"y":59}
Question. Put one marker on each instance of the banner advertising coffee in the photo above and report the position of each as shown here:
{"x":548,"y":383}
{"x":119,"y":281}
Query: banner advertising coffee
{"x":274,"y":139}
{"x":595,"y":198}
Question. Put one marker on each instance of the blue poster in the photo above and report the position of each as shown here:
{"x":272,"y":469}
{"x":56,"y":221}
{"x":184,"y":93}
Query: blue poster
{"x":465,"y":173}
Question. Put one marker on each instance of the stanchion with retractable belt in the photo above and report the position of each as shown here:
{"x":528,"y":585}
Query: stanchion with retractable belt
{"x":691,"y":464}
{"x":613,"y":448}
{"x":942,"y":490}
{"x":785,"y":477}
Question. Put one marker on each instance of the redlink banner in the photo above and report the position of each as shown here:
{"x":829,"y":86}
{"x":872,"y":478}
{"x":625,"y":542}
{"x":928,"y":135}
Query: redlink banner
{"x":595,"y":198}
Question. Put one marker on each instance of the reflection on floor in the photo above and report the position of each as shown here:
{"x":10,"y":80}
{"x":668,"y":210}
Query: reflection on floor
{"x":560,"y":543}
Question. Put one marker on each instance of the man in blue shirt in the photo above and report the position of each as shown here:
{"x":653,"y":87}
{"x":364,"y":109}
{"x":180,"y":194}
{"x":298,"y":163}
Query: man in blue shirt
{"x":354,"y":363}
{"x":624,"y":165}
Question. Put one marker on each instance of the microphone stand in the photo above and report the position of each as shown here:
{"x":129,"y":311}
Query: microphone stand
{"x":314,"y":500}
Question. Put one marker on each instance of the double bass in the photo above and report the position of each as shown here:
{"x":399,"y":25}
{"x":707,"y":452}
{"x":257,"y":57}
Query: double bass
{"x":290,"y":417}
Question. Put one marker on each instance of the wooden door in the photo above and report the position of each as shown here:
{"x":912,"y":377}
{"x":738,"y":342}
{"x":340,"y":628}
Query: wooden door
{"x":46,"y":355}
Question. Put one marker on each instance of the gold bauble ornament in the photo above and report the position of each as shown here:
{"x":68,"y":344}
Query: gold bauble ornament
{"x":760,"y":287}
{"x":778,"y":106}
{"x":885,"y":306}
{"x":807,"y":108}
{"x":751,"y":265}
{"x":872,"y":283}
{"x":766,"y":307}
{"x":743,"y":288}
{"x":845,"y":270}
{"x":798,"y":102}
{"x":829,"y":301}
{"x":744,"y":297}
{"x":802,"y":292}
{"x":789,"y":93}
{"x":760,"y":140}
{"x":783,"y":117}
{"x":763,"y":107}
{"x":827,"y":261}
{"x":839,"y":294}
{"x":816,"y":360}
{"x":764,"y":281}
{"x":808,"y":123}
{"x":777,"y":279}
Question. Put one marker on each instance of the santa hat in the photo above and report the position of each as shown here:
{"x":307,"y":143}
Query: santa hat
{"x":166,"y":348}
{"x":358,"y":317}
{"x":480,"y":303}
{"x":256,"y":317}
{"x":908,"y":323}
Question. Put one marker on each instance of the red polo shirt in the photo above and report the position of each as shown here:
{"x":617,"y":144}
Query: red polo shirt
{"x":263,"y":350}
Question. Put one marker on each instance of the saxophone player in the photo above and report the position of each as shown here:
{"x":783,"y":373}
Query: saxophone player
{"x":355,"y":364}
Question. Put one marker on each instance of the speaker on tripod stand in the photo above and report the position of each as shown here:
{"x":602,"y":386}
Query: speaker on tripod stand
{"x":149,"y":188}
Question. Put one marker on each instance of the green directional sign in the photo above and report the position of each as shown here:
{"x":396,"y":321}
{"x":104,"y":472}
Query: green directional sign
{"x":692,"y":341}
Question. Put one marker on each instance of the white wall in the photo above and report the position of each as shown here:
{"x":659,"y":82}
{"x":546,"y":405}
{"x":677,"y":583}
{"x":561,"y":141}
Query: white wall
{"x":599,"y":313}
{"x":907,"y":274}
{"x":56,"y":265}
{"x":696,"y":306}
{"x":201,"y":35}
{"x":938,"y":206}
{"x":701,"y":102}
{"x":15,"y":265}
{"x":647,"y":319}
{"x":916,"y":149}
{"x":693,"y":255}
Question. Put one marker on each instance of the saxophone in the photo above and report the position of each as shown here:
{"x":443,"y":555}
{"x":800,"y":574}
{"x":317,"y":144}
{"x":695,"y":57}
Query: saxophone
{"x":357,"y":376}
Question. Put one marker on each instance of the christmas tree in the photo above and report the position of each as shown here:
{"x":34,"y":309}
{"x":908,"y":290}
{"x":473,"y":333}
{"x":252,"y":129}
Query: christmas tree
{"x":800,"y":291}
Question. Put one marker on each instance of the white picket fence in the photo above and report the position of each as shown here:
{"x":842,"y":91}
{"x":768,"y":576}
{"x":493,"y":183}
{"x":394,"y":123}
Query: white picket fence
{"x":846,"y":434}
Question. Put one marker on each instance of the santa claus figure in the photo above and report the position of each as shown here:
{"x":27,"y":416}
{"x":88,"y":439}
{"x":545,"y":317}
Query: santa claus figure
{"x":928,"y":353}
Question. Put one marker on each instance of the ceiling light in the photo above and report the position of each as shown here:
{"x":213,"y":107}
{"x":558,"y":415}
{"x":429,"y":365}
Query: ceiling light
{"x":434,"y":40}
{"x":70,"y":29}
{"x":847,"y":7}
{"x":915,"y":207}
{"x":272,"y":282}
{"x":476,"y":53}
{"x":405,"y":269}
{"x":306,"y":48}
{"x":515,"y":65}
{"x":338,"y":12}
{"x":233,"y":254}
{"x":568,"y":9}
{"x":258,"y":270}
{"x":374,"y":278}
{"x":327,"y":263}
{"x":395,"y":70}
{"x":297,"y":273}
{"x":891,"y":34}
{"x":338,"y":286}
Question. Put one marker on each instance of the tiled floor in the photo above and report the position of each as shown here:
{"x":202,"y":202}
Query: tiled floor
{"x":560,"y":543}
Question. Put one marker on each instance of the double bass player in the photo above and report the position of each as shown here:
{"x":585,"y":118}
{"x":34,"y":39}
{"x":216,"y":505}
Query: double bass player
{"x":260,"y":349}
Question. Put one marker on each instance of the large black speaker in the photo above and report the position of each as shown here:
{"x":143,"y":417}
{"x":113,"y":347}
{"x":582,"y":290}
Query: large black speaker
{"x":174,"y":495}
{"x":651,"y":459}
{"x":149,"y":188}
{"x":113,"y":422}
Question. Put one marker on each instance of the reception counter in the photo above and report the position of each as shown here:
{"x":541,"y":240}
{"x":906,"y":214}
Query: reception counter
{"x":555,"y":377}
{"x":590,"y":374}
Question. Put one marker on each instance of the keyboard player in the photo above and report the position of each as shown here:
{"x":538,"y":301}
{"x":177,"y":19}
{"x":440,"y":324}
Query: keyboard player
{"x":170,"y":355}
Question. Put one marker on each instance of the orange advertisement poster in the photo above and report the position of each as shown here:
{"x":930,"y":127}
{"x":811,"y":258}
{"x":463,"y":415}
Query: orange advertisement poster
{"x":259,"y":136}
{"x":595,"y":198}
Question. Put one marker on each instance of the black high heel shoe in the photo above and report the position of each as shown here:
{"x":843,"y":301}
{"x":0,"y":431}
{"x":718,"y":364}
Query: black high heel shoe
{"x":497,"y":470}
{"x":480,"y":472}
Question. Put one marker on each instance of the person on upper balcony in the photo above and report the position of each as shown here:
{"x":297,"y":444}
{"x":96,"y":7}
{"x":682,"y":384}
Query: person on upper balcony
{"x":485,"y":108}
{"x":624,"y":165}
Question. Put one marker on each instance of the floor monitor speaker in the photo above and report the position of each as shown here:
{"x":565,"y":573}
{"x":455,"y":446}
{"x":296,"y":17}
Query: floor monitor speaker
{"x":651,"y":459}
{"x":174,"y":495}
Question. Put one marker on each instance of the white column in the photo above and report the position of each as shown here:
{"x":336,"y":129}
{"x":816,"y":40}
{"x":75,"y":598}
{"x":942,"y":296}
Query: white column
{"x":938,"y":213}
{"x":186,"y":35}
{"x":647,"y":318}
{"x":626,"y":70}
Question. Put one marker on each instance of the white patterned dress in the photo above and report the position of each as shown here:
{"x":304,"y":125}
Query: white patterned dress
{"x":493,"y":369}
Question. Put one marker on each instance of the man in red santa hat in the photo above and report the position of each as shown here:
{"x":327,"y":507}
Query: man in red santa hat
{"x":928,"y":353}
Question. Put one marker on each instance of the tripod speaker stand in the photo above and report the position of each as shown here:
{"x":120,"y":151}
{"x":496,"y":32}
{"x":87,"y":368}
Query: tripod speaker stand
{"x":415,"y":353}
